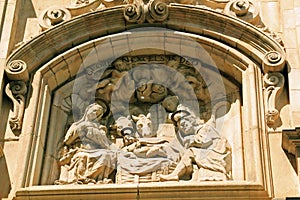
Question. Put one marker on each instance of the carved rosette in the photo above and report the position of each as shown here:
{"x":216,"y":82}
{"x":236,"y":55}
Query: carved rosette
{"x":273,"y":87}
{"x":53,"y":16}
{"x":243,"y":9}
{"x":273,"y":61}
{"x":154,"y":11}
{"x":16,"y":90}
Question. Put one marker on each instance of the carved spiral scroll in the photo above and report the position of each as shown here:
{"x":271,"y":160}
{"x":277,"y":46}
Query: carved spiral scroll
{"x":273,"y":86}
{"x":17,"y":70}
{"x":154,"y":11}
{"x":53,"y":16}
{"x":134,"y":13}
{"x":273,"y":61}
{"x":16,"y":91}
{"x":240,"y":7}
{"x":243,"y":9}
{"x":158,"y":11}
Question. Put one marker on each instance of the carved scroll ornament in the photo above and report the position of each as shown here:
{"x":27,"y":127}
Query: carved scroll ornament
{"x":243,"y":9}
{"x":16,"y":90}
{"x":273,"y":87}
{"x":273,"y":61}
{"x":53,"y":16}
{"x":154,"y":11}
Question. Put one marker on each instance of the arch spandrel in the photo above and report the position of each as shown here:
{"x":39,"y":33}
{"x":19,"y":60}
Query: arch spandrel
{"x":101,"y":37}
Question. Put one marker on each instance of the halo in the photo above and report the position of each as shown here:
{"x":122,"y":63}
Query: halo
{"x":104,"y":105}
{"x":187,"y":113}
{"x":125,"y":129}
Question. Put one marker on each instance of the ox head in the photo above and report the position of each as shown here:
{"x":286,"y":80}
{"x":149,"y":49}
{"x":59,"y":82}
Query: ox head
{"x":144,"y":125}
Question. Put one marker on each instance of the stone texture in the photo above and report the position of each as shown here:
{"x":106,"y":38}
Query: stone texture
{"x":222,"y":46}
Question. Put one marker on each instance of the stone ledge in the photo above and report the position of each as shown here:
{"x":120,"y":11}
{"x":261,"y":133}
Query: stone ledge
{"x":170,"y":190}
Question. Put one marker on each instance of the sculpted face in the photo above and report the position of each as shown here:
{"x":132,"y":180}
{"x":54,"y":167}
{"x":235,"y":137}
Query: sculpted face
{"x":94,"y":112}
{"x":187,"y":125}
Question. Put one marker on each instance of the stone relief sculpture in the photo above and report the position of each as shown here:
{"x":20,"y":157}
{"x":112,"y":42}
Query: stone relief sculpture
{"x":205,"y":148}
{"x":89,"y":155}
{"x":195,"y":152}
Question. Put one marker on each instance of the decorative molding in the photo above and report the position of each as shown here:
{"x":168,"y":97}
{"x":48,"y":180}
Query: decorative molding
{"x":79,"y":7}
{"x":213,"y":4}
{"x":273,"y":61}
{"x":291,"y":139}
{"x":291,"y":143}
{"x":53,"y":16}
{"x":16,"y":89}
{"x":153,"y":11}
{"x":273,"y":87}
{"x":271,"y":33}
{"x":17,"y":70}
{"x":243,"y":9}
{"x":141,"y":11}
{"x":1,"y":152}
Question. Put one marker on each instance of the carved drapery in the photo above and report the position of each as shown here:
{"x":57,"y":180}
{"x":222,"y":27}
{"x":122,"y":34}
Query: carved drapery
{"x":16,"y":90}
{"x":145,"y":155}
{"x":273,"y":87}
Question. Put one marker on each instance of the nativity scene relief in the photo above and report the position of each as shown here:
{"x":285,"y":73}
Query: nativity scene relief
{"x":143,"y":128}
{"x":197,"y":152}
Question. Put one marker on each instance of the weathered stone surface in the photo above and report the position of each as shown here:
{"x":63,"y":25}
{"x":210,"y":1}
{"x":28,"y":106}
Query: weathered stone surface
{"x":198,"y":99}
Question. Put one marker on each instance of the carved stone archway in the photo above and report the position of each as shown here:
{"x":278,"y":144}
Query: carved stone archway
{"x":242,"y":55}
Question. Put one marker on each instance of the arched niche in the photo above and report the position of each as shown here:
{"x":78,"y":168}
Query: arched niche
{"x":223,"y":84}
{"x":236,"y":62}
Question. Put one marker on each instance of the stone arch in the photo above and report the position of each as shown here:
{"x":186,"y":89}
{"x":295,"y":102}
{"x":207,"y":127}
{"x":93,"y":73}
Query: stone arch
{"x":228,"y":40}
